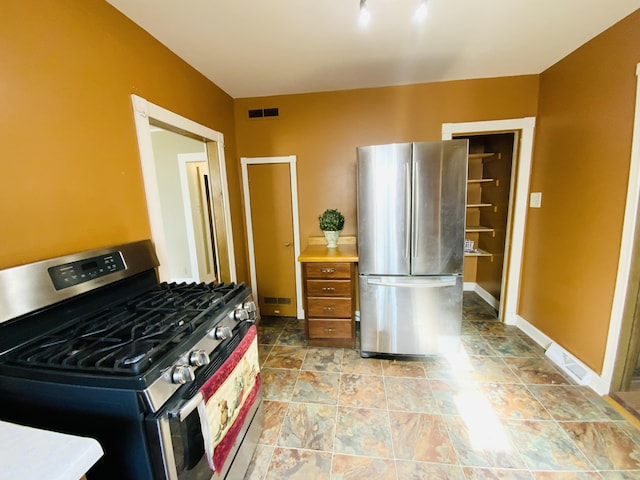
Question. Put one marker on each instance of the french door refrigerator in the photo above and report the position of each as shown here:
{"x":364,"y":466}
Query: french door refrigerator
{"x":411,"y":221}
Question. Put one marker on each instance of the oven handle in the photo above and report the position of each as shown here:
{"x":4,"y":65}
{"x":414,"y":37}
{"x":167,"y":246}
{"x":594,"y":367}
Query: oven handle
{"x":186,"y":408}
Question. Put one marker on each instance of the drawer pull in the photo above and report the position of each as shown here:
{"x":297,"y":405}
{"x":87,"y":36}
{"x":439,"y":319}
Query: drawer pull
{"x":329,"y":330}
{"x":328,"y":289}
{"x":328,"y":308}
{"x":328,"y":270}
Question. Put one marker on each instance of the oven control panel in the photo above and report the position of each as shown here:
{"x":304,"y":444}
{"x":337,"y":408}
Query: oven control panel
{"x":74,"y":273}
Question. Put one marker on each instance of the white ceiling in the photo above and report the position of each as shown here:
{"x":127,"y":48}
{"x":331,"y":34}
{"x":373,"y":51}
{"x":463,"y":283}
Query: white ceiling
{"x":269,"y":47}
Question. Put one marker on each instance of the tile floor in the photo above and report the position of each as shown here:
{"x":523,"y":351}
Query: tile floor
{"x":498,"y":410}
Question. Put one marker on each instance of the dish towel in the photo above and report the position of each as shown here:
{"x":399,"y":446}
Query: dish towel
{"x":227,"y":398}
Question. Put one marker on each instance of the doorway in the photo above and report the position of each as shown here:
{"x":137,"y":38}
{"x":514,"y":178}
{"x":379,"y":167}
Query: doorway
{"x":175,"y":261}
{"x":170,"y":151}
{"x":522,"y":130}
{"x":271,"y":215}
{"x":492,"y":158}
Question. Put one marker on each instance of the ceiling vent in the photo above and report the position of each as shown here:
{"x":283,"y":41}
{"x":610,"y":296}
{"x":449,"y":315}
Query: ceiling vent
{"x":263,"y":112}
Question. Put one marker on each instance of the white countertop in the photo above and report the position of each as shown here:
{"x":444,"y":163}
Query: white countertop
{"x":30,"y":453}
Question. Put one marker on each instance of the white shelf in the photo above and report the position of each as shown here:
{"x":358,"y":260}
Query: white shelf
{"x":481,"y":180}
{"x":480,"y":155}
{"x":485,"y":156}
{"x":479,"y":183}
{"x":478,"y":229}
{"x":477,"y":253}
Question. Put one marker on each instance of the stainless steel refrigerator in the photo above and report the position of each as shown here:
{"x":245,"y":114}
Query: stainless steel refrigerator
{"x":411,"y":221}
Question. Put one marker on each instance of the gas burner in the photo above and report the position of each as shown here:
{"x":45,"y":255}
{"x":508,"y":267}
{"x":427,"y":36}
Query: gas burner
{"x":128,"y":338}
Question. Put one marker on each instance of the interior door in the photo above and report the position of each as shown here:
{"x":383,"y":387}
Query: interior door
{"x":272,"y":220}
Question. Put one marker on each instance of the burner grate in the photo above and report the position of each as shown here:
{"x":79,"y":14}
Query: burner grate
{"x":128,"y":338}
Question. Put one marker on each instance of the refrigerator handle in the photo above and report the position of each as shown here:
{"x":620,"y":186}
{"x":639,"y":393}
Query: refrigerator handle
{"x":449,"y":282}
{"x":408,"y":211}
{"x":415,"y":201}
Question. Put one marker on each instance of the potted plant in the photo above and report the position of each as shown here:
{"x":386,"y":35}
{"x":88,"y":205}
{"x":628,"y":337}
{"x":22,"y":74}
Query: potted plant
{"x":331,"y":222}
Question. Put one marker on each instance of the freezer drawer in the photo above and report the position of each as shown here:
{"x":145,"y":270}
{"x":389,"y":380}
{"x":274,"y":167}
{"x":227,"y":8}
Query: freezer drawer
{"x":410,"y":315}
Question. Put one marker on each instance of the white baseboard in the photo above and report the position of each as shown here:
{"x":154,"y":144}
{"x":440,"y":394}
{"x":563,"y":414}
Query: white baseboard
{"x":510,"y":318}
{"x":564,"y":360}
{"x":533,"y":333}
{"x":486,"y":296}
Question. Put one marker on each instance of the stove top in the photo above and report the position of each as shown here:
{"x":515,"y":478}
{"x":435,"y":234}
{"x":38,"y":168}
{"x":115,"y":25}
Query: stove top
{"x":126,"y":339}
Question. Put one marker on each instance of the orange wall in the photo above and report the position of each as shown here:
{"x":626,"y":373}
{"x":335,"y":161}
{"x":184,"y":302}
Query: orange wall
{"x":324,"y":129}
{"x":581,"y":166}
{"x":71,"y":177}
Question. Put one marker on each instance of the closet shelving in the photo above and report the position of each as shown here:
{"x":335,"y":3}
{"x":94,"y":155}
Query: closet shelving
{"x":475,"y":183}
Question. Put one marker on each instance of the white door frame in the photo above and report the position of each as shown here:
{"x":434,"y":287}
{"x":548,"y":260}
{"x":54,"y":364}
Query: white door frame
{"x":293,"y":178}
{"x":143,"y":111}
{"x":526,"y":126}
{"x":626,"y":251}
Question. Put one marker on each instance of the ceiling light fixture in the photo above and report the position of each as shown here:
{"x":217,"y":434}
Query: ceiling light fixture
{"x":365,"y":14}
{"x":421,"y":12}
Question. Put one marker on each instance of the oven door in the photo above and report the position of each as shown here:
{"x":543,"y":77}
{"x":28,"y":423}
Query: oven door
{"x":184,"y":444}
{"x":177,"y":442}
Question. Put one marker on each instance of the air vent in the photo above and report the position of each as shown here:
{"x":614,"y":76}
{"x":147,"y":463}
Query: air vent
{"x":277,"y":300}
{"x":263,"y":112}
{"x":569,"y":364}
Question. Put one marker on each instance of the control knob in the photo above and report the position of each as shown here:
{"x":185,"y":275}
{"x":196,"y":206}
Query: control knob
{"x":222,"y":332}
{"x":182,"y":374}
{"x":240,"y":314}
{"x":251,"y":309}
{"x":198,"y":358}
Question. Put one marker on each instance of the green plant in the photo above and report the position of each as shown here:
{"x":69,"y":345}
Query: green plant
{"x":331,"y":220}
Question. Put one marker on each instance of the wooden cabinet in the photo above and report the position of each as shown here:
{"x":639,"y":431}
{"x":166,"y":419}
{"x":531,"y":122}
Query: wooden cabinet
{"x":329,"y":303}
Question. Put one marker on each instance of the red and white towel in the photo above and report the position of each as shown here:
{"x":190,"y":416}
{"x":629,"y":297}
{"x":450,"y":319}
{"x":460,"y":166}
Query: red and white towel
{"x":227,"y":398}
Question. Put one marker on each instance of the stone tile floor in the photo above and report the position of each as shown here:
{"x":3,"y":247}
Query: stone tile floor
{"x":498,"y":410}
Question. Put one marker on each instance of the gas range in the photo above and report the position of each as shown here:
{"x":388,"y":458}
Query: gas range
{"x":151,"y":343}
{"x":97,"y":331}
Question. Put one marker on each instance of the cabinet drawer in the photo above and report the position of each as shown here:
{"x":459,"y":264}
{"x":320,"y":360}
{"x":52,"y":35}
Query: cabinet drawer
{"x":329,"y":329}
{"x":328,"y":288}
{"x":328,"y":270}
{"x":329,"y":307}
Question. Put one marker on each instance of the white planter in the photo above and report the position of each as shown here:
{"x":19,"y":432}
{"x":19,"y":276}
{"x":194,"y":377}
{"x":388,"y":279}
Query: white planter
{"x":332,"y":238}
